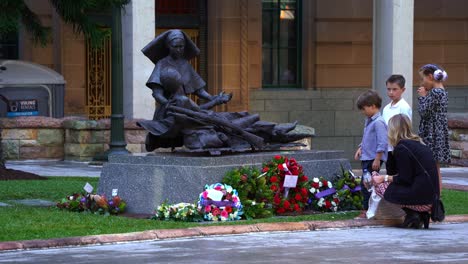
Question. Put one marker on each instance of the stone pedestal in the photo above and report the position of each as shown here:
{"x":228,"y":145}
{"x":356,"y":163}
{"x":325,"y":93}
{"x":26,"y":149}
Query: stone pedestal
{"x":145,"y":181}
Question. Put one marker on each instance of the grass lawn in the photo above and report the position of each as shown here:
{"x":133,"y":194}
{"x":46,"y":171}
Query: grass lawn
{"x":25,"y":223}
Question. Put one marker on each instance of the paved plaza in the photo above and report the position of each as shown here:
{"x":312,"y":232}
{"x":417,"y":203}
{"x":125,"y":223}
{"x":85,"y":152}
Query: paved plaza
{"x":442,"y":243}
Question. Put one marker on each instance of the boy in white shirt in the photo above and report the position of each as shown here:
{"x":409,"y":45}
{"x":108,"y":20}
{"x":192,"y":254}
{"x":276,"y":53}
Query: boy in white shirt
{"x":398,"y":105}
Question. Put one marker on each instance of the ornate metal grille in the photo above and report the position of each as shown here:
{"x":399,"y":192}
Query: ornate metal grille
{"x":98,"y":80}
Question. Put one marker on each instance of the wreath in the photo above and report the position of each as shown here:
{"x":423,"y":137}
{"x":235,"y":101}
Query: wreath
{"x":324,"y":197}
{"x":254,"y":192}
{"x":219,"y":202}
{"x":286,"y":199}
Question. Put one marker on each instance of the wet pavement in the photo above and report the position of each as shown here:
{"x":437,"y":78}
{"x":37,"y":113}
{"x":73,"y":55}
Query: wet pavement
{"x":442,"y":243}
{"x":56,"y":168}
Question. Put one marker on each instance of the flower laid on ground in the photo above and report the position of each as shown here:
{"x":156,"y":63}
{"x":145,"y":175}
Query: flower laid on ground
{"x":179,"y":212}
{"x":254,"y":192}
{"x":220,"y":202}
{"x":93,"y":203}
{"x":286,"y":199}
{"x":348,"y":190}
{"x":323,"y":195}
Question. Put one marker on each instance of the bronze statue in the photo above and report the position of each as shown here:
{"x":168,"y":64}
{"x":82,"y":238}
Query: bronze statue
{"x":178,"y":121}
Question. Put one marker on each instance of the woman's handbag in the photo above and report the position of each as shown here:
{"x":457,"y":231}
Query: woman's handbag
{"x":438,"y":210}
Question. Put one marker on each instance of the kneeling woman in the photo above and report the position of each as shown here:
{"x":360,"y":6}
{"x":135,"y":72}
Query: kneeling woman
{"x":414,"y":187}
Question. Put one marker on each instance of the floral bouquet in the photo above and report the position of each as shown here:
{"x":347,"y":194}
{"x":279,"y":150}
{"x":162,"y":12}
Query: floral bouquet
{"x":286,"y":199}
{"x":254,"y":192}
{"x":348,"y":190}
{"x":76,"y":203}
{"x":324,"y":197}
{"x":179,"y":212}
{"x":92,"y":203}
{"x":220,"y":202}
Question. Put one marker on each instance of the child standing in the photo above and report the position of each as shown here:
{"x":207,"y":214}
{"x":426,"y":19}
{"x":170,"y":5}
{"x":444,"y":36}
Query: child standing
{"x":395,"y":89}
{"x":373,"y":149}
{"x":433,"y":101}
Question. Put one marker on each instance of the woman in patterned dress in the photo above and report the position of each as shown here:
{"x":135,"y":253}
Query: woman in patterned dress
{"x":433,"y":101}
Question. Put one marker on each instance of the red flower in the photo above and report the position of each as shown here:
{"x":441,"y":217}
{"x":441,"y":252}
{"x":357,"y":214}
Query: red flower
{"x":274,"y":179}
{"x":229,"y":196}
{"x":304,"y":191}
{"x":280,"y":210}
{"x":336,"y":200}
{"x":277,"y":157}
{"x":327,"y":204}
{"x":280,"y":167}
{"x":298,"y":197}
{"x":304,"y":178}
{"x":228,"y":209}
{"x":294,"y":170}
{"x":297,"y":208}
{"x":286,"y":204}
{"x":277,"y":199}
{"x":265,"y":169}
{"x":274,"y":188}
{"x":315,"y":185}
{"x":116,"y":200}
{"x":325,"y":183}
{"x":215,"y":211}
{"x":244,"y":178}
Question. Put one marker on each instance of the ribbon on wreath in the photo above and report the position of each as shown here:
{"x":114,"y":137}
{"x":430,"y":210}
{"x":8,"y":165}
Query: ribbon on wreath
{"x":324,"y":193}
{"x":207,"y":202}
{"x":355,"y":189}
{"x":331,"y":191}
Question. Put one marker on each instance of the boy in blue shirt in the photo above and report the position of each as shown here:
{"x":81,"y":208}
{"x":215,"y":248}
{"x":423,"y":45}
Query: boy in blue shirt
{"x":373,"y":149}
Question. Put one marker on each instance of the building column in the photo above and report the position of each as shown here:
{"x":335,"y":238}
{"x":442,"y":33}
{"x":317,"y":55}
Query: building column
{"x":393,"y":44}
{"x":138,"y":29}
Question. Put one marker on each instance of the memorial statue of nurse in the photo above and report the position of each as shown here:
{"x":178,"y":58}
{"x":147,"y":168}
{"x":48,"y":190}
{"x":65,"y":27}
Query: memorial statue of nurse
{"x":178,"y":121}
{"x":173,"y":49}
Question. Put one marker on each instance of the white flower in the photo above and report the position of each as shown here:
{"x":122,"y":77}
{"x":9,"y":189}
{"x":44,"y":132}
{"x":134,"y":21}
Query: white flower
{"x":71,"y":198}
{"x":312,"y":190}
{"x":253,"y":203}
{"x":320,"y":202}
{"x":320,"y":184}
{"x":316,"y":180}
{"x":228,"y":189}
{"x":329,"y":184}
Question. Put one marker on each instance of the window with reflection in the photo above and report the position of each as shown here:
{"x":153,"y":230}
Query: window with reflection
{"x":281,"y":43}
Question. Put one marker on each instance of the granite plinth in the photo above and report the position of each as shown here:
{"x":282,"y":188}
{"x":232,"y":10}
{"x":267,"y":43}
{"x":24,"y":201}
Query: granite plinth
{"x":145,"y":181}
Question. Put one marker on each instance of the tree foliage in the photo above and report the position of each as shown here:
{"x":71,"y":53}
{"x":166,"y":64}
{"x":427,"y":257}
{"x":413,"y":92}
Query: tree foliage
{"x":75,"y":12}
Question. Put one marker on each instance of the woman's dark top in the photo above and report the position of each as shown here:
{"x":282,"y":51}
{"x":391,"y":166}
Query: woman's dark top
{"x":412,"y":185}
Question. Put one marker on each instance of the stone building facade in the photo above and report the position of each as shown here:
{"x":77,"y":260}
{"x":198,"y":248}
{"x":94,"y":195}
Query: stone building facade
{"x":335,"y":43}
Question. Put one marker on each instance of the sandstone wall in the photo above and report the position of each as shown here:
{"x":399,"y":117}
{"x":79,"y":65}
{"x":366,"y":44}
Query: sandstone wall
{"x":458,"y":133}
{"x":68,"y":138}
